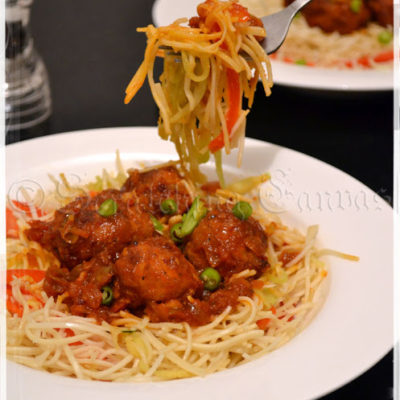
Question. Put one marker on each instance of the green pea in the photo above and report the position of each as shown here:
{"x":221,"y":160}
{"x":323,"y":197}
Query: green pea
{"x":173,"y":232}
{"x":242,"y":210}
{"x":301,"y":62}
{"x":158,"y":226}
{"x":211,"y":278}
{"x":107,"y":296}
{"x":355,"y":6}
{"x":169,"y":206}
{"x":108,"y":208}
{"x":385,"y":37}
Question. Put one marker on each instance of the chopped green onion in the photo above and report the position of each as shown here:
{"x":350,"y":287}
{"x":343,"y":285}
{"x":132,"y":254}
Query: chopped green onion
{"x":190,"y":220}
{"x":107,"y":296}
{"x":211,"y":278}
{"x":242,"y":210}
{"x":129,"y":331}
{"x":355,"y":6}
{"x":158,"y":226}
{"x":301,"y":61}
{"x":169,"y":206}
{"x":385,"y":37}
{"x":108,"y":208}
{"x":173,"y":230}
{"x":297,"y":15}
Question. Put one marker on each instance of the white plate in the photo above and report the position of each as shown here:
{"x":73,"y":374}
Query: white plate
{"x":352,"y":331}
{"x":167,"y":11}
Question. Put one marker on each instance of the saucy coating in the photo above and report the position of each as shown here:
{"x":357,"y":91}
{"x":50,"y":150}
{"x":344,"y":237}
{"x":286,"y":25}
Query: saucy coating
{"x":82,"y":285}
{"x":155,"y":186}
{"x":156,"y":270}
{"x":198,"y":312}
{"x":195,"y":312}
{"x":226,"y":243}
{"x":143,"y":271}
{"x":228,"y":295}
{"x":382,"y":11}
{"x":239,"y":14}
{"x":335,"y":15}
{"x":78,"y":231}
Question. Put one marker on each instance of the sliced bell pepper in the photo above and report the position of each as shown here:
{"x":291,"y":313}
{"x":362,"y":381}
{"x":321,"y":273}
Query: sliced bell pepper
{"x":12,"y":306}
{"x":364,"y":61}
{"x":24,"y":207}
{"x":11,"y":219}
{"x":36,"y":274}
{"x":232,"y":114}
{"x":263,"y":323}
{"x":384,"y":57}
{"x":11,"y":225}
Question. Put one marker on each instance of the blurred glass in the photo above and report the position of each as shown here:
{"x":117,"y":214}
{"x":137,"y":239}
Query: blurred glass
{"x":27,"y":90}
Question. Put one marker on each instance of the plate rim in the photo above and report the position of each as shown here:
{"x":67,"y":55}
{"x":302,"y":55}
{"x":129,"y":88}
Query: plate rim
{"x":331,"y":80}
{"x":124,"y":130}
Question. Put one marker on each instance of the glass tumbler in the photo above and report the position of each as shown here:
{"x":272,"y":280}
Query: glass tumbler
{"x":27,"y":89}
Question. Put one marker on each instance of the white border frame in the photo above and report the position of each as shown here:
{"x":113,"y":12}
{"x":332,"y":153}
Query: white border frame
{"x":396,"y":201}
{"x":3,"y":380}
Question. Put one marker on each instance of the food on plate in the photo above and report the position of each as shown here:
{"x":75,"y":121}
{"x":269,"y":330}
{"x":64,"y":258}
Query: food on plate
{"x":209,"y":66}
{"x":343,"y":16}
{"x":144,"y":276}
{"x":336,"y":33}
{"x":382,"y":11}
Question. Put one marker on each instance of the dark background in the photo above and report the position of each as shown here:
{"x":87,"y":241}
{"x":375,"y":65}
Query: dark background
{"x":91,"y":49}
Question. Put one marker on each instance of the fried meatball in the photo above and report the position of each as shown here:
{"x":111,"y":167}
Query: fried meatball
{"x":82,"y":284}
{"x":155,"y":186}
{"x":335,"y":15}
{"x":85,"y":289}
{"x":195,"y":312}
{"x":382,"y":11}
{"x":199,"y":311}
{"x":238,"y":13}
{"x":226,"y":243}
{"x":78,"y":231}
{"x":228,"y":295}
{"x":156,"y":270}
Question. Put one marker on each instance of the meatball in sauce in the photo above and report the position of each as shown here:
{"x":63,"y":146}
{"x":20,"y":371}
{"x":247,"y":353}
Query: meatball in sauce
{"x":78,"y":231}
{"x":155,"y":186}
{"x":226,"y":243}
{"x":336,"y":15}
{"x":157,"y":270}
{"x":117,"y":261}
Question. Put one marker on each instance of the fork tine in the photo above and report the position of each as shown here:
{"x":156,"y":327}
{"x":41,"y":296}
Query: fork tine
{"x":277,"y":25}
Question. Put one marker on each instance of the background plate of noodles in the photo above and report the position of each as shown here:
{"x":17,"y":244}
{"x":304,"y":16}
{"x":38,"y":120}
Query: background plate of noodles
{"x":349,"y":334}
{"x":326,"y":71}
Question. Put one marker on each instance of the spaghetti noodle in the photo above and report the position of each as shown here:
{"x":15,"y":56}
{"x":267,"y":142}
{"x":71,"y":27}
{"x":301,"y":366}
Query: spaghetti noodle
{"x":106,"y":235}
{"x":212,"y":64}
{"x":305,"y":45}
{"x":43,"y":334}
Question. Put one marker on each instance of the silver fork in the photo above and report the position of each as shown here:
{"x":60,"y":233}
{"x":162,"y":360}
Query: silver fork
{"x":276,"y":25}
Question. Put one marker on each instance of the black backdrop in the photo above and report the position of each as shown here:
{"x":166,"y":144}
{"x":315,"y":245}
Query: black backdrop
{"x":91,"y":49}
